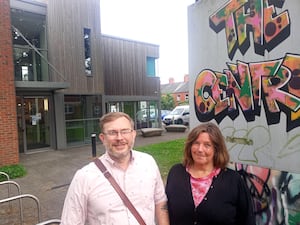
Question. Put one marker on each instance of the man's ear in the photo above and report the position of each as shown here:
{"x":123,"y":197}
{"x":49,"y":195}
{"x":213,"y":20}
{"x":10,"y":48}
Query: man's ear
{"x":134,"y":134}
{"x":101,"y":137}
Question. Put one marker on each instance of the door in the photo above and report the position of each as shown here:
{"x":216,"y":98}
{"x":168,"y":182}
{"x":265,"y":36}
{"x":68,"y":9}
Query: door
{"x":33,"y":123}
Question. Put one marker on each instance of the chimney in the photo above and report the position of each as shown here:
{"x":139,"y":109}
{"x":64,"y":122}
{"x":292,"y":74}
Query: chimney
{"x":171,"y":80}
{"x":186,"y":78}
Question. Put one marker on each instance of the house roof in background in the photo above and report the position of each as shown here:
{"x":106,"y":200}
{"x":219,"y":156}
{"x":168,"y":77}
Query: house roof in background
{"x":177,"y":87}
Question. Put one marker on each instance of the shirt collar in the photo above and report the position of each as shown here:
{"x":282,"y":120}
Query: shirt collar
{"x":107,"y":158}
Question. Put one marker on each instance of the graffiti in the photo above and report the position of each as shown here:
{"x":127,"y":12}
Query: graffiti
{"x":275,"y":194}
{"x":249,"y":95}
{"x":274,"y":84}
{"x":290,"y":147}
{"x":240,"y":17}
{"x":247,"y":153}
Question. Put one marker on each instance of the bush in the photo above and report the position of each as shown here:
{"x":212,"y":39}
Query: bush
{"x":13,"y":171}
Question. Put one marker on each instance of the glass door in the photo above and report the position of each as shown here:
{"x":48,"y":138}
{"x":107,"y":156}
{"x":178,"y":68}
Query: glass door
{"x":33,"y":123}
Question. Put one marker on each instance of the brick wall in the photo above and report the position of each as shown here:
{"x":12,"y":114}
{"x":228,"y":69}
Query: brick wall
{"x":9,"y":153}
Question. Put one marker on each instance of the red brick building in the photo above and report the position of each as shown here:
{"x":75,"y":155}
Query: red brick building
{"x":8,"y":116}
{"x":179,"y":90}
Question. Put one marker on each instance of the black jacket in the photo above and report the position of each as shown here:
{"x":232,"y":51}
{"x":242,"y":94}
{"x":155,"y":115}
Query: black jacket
{"x":227,"y":202}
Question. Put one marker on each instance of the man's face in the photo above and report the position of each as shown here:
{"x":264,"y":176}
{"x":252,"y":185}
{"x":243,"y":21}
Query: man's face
{"x":118,"y":138}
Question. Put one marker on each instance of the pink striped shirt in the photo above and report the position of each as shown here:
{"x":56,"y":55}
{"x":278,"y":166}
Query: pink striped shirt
{"x":91,"y":199}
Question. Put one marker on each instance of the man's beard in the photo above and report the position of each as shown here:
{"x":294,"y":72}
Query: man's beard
{"x":116,"y":155}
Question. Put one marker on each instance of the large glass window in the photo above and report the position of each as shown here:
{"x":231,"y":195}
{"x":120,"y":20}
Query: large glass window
{"x":28,"y":65}
{"x":30,"y":46}
{"x":82,"y":115}
{"x":147,"y":114}
{"x":144,"y":113}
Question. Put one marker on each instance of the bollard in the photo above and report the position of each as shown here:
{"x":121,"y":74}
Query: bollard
{"x":93,"y":137}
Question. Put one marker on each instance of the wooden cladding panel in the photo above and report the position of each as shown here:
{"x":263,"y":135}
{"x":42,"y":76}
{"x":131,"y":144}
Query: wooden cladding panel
{"x":66,"y":22}
{"x":125,"y":67}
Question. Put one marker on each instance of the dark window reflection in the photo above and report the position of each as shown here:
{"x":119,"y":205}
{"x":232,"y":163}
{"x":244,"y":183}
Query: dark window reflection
{"x":87,"y":51}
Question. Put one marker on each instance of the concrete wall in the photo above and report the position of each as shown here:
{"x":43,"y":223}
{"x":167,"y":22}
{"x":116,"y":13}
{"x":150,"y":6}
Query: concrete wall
{"x":8,"y":116}
{"x":244,"y":69}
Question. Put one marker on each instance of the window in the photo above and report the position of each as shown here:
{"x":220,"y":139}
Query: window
{"x":178,"y":98}
{"x":24,"y":72}
{"x":87,"y":51}
{"x":29,"y":46}
{"x":82,"y":114}
{"x":151,"y":67}
{"x":69,"y":109}
{"x":186,"y":97}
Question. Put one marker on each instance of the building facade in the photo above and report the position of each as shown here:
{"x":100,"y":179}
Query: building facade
{"x":59,"y":75}
{"x":178,"y":90}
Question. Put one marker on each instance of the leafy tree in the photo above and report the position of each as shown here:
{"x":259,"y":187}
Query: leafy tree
{"x":184,"y":103}
{"x":167,"y":102}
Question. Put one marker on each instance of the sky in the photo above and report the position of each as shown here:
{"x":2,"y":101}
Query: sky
{"x":161,"y":22}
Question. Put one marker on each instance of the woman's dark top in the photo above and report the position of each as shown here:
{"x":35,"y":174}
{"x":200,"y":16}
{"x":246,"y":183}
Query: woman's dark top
{"x":227,"y":202}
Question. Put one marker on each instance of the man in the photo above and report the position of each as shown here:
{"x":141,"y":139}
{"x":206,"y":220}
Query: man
{"x":91,"y":198}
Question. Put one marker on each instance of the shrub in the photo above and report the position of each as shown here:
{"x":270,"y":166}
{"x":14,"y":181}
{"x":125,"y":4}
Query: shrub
{"x":13,"y":171}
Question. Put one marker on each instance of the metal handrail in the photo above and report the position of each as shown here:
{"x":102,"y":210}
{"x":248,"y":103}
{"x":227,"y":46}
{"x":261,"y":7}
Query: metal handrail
{"x":5,"y":174}
{"x":7,"y":177}
{"x":53,"y":221}
{"x":9,"y":182}
{"x":24,"y":196}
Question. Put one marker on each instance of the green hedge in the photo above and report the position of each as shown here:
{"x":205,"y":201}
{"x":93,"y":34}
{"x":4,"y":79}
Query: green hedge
{"x":13,"y":171}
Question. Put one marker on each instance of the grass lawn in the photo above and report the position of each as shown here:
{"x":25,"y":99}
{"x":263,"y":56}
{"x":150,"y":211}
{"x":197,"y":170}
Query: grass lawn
{"x":166,"y":154}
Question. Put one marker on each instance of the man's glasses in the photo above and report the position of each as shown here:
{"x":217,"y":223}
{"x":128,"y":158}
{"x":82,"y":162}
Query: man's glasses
{"x":115,"y":133}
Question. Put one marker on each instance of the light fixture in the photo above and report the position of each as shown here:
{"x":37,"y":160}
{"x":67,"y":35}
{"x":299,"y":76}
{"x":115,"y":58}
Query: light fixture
{"x":46,"y":104}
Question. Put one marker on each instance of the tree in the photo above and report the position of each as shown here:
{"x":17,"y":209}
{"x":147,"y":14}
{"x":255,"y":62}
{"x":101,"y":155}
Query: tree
{"x":167,"y":102}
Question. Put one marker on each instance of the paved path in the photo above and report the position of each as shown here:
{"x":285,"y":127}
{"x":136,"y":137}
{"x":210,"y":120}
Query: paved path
{"x":49,"y":174}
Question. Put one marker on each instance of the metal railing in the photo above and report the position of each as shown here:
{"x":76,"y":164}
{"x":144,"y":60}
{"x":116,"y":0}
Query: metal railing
{"x":9,"y":182}
{"x":4,"y":174}
{"x":48,"y":222}
{"x":7,"y":178}
{"x":21,"y":196}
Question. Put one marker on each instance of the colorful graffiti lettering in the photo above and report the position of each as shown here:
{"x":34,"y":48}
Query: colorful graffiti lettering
{"x":240,"y":17}
{"x":275,"y":194}
{"x":274,"y":84}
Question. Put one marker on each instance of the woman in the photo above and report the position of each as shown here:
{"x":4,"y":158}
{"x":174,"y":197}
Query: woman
{"x":202,"y":190}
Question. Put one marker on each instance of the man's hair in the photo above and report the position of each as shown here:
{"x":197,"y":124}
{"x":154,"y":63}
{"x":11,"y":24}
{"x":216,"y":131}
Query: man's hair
{"x":221,"y":155}
{"x":112,"y":116}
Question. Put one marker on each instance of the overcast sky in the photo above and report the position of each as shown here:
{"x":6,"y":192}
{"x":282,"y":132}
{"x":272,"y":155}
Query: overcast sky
{"x":162,"y":22}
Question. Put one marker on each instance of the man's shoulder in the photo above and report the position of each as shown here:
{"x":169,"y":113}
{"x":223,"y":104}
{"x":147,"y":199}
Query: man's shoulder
{"x":88,"y":169}
{"x":136,"y":153}
{"x":142,"y":156}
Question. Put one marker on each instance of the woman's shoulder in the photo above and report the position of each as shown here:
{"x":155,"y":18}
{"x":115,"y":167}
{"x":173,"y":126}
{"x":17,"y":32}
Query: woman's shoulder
{"x":178,"y":167}
{"x":228,"y":172}
{"x":176,"y":171}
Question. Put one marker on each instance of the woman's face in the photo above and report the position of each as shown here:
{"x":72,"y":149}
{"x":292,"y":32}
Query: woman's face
{"x":203,"y":151}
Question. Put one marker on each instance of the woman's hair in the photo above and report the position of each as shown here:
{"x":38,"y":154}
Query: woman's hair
{"x":112,"y":116}
{"x":221,"y":155}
